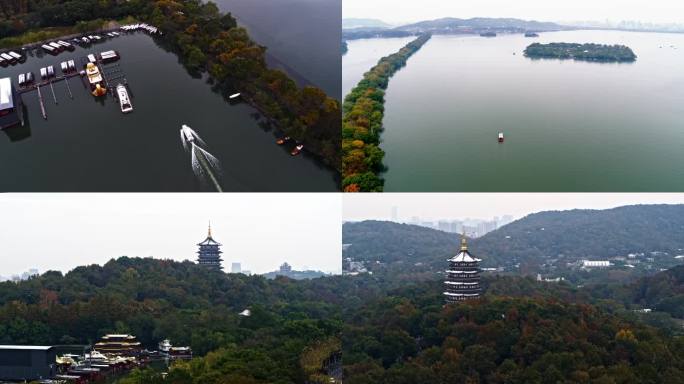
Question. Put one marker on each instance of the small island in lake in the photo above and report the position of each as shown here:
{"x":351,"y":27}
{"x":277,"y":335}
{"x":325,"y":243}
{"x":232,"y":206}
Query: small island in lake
{"x":586,"y":52}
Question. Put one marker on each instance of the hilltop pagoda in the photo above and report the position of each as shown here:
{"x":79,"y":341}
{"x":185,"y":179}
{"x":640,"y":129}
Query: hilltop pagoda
{"x":463,"y":276}
{"x":209,"y":253}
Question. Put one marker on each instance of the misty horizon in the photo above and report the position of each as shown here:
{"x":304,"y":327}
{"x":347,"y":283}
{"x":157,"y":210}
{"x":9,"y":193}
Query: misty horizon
{"x":658,"y":12}
{"x":61,"y":232}
{"x":464,"y":206}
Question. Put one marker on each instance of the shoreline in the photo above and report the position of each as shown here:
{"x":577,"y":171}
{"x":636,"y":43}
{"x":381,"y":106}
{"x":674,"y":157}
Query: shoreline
{"x":277,"y":129}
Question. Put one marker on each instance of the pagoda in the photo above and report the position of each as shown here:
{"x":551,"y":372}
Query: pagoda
{"x":209,"y":253}
{"x":463,"y":276}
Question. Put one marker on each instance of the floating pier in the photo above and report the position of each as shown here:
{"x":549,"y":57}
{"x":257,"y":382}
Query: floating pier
{"x":42,"y":106}
{"x":71,"y":96}
{"x":53,"y":92}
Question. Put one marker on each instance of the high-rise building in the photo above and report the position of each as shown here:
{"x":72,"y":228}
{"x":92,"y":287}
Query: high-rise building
{"x":463,"y":276}
{"x":209,"y":253}
{"x":235,"y":268}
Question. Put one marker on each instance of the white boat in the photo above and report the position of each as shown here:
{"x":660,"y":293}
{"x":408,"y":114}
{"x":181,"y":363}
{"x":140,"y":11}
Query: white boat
{"x":22,"y":79}
{"x":7,"y":57}
{"x":15,"y":55}
{"x":501,"y":137}
{"x":187,"y":133}
{"x":234,"y":95}
{"x":56,"y":46}
{"x":48,"y":48}
{"x":29,"y":77}
{"x":72,"y":65}
{"x":91,"y":58}
{"x":85,"y":40}
{"x":124,"y":100}
{"x":50,"y":71}
{"x":64,"y":66}
{"x":43,"y":73}
{"x":109,"y":56}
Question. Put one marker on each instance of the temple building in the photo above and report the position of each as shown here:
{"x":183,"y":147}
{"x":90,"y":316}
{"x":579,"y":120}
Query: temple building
{"x":209,"y":253}
{"x":463,"y":276}
{"x":119,"y":345}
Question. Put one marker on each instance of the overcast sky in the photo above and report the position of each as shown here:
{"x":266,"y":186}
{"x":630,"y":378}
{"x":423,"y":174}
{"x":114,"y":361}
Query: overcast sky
{"x":393,"y":11}
{"x":60,"y":232}
{"x":486,"y":205}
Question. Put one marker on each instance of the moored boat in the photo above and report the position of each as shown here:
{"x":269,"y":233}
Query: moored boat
{"x":501,"y":137}
{"x":297,"y":150}
{"x":124,"y":100}
{"x":234,"y":95}
{"x":283,"y":140}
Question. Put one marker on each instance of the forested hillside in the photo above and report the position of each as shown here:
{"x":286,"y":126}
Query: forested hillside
{"x":536,"y":238}
{"x":159,"y":299}
{"x":662,"y":292}
{"x":407,"y":336}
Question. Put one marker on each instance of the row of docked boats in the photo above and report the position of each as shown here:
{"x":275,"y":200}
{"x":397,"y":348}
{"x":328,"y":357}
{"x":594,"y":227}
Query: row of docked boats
{"x":10,"y":58}
{"x":56,"y":47}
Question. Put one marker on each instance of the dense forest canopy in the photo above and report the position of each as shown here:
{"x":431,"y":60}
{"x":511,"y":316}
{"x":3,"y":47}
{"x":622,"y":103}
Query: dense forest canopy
{"x":389,"y":328}
{"x":585,"y":52}
{"x":159,"y":299}
{"x":407,"y":336}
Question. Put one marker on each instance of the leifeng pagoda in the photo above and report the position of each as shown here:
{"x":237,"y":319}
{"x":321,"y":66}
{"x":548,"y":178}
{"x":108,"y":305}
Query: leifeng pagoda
{"x":463,"y":276}
{"x":209,"y":253}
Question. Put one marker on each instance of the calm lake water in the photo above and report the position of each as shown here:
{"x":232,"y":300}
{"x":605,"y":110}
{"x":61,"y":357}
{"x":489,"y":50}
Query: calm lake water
{"x":89,"y":145}
{"x":302,"y":36}
{"x":569,"y":126}
{"x":363,"y":54}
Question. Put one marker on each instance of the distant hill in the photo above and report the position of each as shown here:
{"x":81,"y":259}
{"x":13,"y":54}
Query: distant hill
{"x":451,"y":25}
{"x":663,"y":292}
{"x":566,"y":235}
{"x":369,"y":33}
{"x":351,"y":23}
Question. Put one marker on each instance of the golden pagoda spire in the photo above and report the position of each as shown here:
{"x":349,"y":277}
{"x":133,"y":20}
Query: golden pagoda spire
{"x":209,"y":235}
{"x":464,"y":242}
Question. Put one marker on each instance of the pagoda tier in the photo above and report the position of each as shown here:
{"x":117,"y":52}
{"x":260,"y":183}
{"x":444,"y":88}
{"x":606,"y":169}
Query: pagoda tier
{"x":463,"y":276}
{"x":209,"y":253}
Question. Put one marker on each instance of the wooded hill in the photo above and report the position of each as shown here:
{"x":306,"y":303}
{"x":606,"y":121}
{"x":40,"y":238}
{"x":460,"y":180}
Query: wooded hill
{"x":159,"y":299}
{"x":571,"y":235}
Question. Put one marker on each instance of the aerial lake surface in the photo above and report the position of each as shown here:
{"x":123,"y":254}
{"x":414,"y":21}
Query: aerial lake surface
{"x":302,"y":37}
{"x":568,"y":125}
{"x":89,"y":145}
{"x":363,"y":54}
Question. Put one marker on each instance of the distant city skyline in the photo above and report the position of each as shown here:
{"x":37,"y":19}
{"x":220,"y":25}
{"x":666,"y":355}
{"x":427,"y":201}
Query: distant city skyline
{"x":485,"y":206}
{"x":259,"y":231}
{"x":655,"y":11}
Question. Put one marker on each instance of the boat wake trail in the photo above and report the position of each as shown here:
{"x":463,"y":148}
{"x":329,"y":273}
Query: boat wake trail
{"x":205,"y":166}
